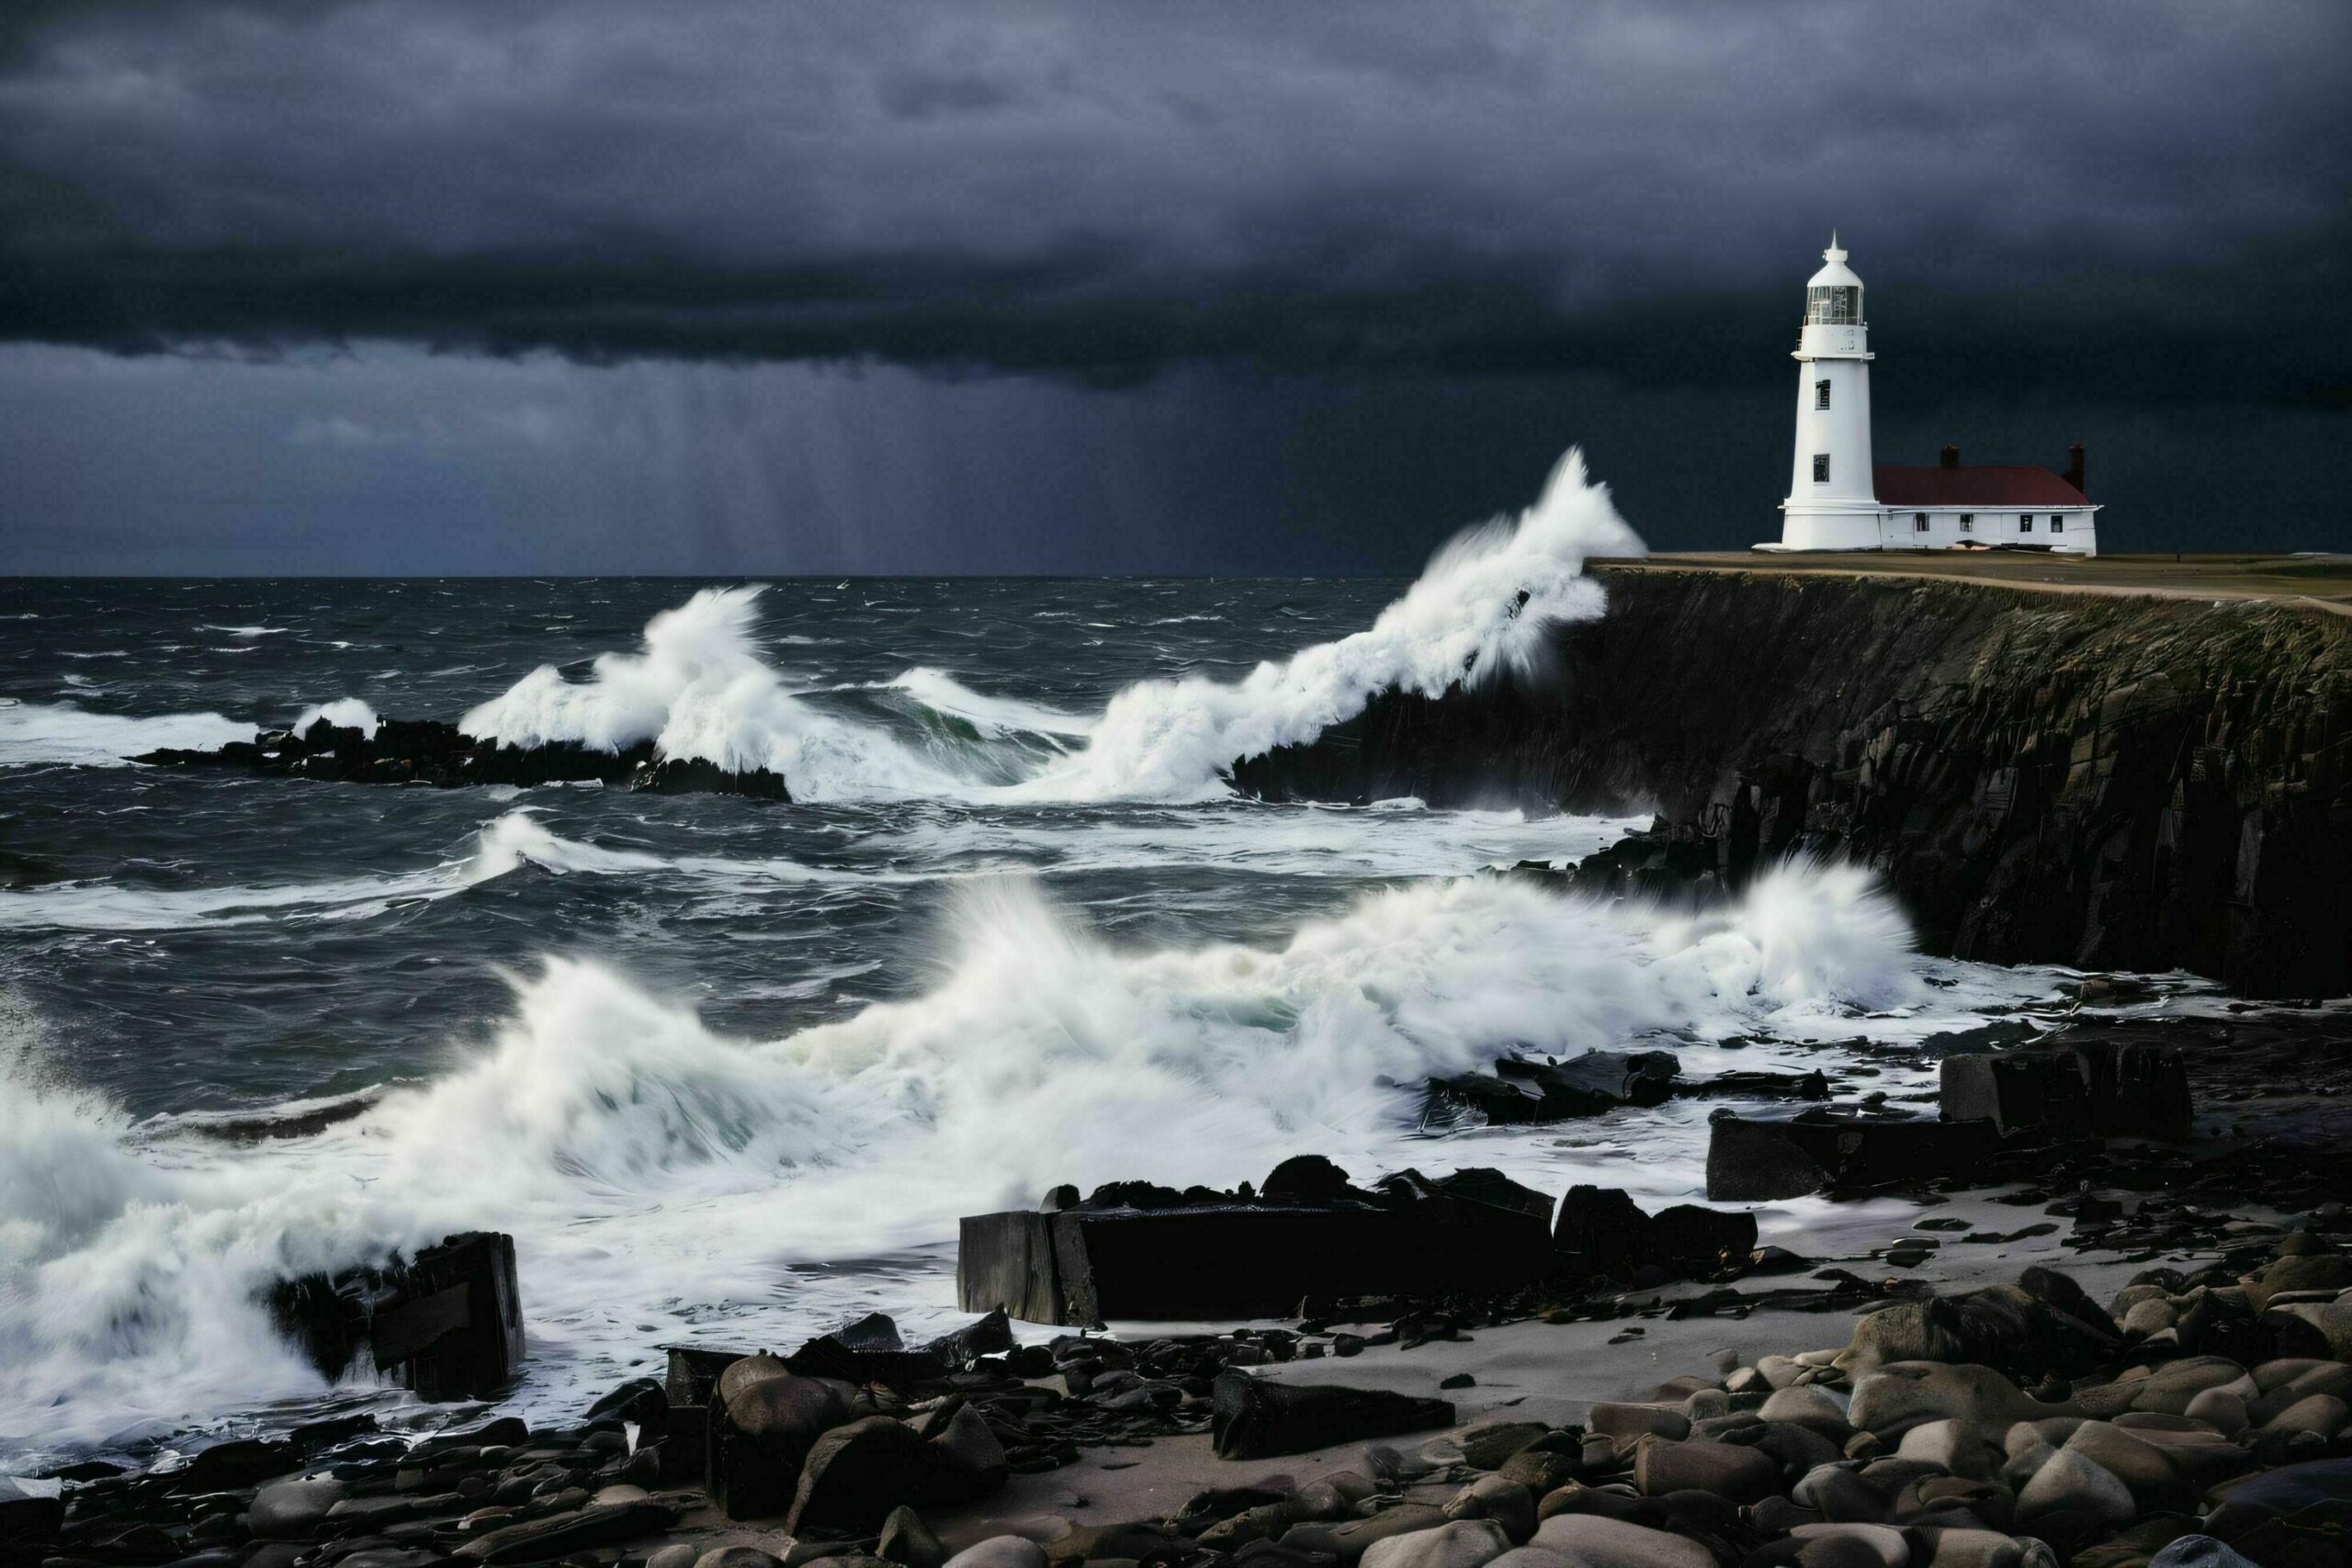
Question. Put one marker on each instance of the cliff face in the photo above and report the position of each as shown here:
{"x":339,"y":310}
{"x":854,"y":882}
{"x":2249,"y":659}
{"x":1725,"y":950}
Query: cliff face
{"x":2110,"y":783}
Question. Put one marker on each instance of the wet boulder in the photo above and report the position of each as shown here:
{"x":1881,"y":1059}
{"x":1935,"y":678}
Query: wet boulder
{"x":761,"y":1439}
{"x":1519,"y":1090}
{"x":857,"y":1474}
{"x":1601,"y":1231}
{"x":449,"y":1320}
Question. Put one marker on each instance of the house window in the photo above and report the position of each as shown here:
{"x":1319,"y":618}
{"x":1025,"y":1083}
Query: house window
{"x":2025,"y":524}
{"x":1968,"y":522}
{"x":1920,"y":522}
{"x":1821,"y":468}
{"x":1821,"y":394}
{"x":2057,"y":522}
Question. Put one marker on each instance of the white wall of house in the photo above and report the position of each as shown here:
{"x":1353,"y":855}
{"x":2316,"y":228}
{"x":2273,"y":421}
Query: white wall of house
{"x":2071,"y":528}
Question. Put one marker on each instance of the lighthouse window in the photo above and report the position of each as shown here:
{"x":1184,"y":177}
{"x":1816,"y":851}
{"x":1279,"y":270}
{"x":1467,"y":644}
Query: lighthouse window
{"x":1821,"y":468}
{"x":1968,"y":522}
{"x":1834,"y":305}
{"x":1920,"y":522}
{"x":2057,"y":522}
{"x":1821,"y":394}
{"x":2025,"y":524}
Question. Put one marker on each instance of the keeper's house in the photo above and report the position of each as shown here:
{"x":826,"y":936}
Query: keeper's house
{"x":1839,"y":501}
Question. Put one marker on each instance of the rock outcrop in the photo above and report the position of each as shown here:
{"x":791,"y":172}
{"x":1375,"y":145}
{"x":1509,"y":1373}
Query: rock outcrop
{"x":2109,"y":782}
{"x":428,"y":751}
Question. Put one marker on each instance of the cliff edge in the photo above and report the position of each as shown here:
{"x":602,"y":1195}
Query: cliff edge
{"x":2113,"y":783}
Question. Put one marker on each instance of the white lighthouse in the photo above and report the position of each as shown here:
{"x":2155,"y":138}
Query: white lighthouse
{"x":1831,"y":503}
{"x":1837,"y":501}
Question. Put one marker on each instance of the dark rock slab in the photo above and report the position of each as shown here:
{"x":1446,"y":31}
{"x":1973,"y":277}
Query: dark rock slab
{"x":562,"y":1535}
{"x":2075,"y":1088}
{"x":1753,"y":1160}
{"x":1601,"y":1231}
{"x":1252,"y":1418}
{"x":451,"y":1320}
{"x":1137,"y":1251}
{"x":28,"y":1526}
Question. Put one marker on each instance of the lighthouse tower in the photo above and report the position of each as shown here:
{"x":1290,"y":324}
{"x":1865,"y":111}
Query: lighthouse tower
{"x":1831,"y":503}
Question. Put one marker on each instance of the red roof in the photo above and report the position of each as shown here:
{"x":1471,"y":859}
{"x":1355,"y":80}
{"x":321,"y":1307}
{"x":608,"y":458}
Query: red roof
{"x":1988,"y":487}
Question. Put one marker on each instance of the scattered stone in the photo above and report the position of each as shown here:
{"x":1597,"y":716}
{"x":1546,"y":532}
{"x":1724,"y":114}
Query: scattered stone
{"x":1255,"y":1418}
{"x":561,"y":1535}
{"x":1591,"y":1540}
{"x":1463,"y":1543}
{"x":292,"y":1510}
{"x":1741,"y":1474}
{"x":908,"y":1541}
{"x":997,"y":1551}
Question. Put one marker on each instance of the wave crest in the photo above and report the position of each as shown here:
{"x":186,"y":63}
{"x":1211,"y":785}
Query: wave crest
{"x":1481,"y":610}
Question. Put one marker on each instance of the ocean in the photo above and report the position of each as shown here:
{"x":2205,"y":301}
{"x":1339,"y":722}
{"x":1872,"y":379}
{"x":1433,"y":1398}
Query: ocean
{"x":730,"y":1070}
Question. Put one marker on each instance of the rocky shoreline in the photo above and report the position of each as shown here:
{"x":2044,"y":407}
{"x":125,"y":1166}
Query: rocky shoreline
{"x":2110,"y":783}
{"x":2094,"y":1348}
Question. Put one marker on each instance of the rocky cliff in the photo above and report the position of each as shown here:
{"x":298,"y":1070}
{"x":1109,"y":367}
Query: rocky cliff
{"x":2106,"y":782}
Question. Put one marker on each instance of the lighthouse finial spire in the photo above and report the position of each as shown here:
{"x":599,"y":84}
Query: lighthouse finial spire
{"x":1833,"y":254}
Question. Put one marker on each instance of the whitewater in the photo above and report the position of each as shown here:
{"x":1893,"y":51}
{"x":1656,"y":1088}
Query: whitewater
{"x":730,"y":1071}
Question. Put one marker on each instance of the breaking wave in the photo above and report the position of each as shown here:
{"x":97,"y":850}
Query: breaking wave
{"x":640,"y":1157}
{"x":343,"y":713}
{"x":1480,"y":611}
{"x":698,"y":689}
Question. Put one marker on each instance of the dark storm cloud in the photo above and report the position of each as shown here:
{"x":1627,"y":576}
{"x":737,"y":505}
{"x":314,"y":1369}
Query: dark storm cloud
{"x":1106,"y":189}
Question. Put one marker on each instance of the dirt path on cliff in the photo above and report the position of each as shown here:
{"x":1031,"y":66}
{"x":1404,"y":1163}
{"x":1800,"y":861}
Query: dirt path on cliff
{"x":2303,"y":583}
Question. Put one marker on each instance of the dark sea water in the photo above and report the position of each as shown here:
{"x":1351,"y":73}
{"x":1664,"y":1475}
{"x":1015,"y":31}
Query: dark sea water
{"x":730,"y":1070}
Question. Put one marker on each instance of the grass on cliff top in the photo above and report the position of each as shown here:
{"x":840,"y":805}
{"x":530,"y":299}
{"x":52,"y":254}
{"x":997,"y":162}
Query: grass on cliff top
{"x":2321,"y":582}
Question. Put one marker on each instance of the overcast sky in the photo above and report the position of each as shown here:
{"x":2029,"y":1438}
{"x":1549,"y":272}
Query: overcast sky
{"x":756,"y":286}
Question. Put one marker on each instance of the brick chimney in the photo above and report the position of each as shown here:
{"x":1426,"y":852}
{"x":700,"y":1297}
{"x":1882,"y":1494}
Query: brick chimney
{"x":2075,"y":466}
{"x":1951,"y":458}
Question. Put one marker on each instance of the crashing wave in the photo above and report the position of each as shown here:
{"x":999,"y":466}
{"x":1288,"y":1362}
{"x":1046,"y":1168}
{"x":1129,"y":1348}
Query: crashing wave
{"x":1482,"y":609}
{"x":699,"y":692}
{"x":638,"y":1156}
{"x":343,"y":713}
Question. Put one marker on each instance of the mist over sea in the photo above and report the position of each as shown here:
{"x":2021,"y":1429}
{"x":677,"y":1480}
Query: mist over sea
{"x":730,"y":1070}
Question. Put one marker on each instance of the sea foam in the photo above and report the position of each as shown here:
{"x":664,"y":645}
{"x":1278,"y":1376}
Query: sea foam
{"x":54,"y":733}
{"x":658,"y":1174}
